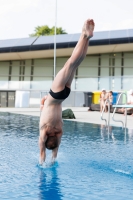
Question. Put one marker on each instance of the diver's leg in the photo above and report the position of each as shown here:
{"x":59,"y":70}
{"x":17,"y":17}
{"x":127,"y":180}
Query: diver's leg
{"x":65,"y":75}
{"x":68,"y":84}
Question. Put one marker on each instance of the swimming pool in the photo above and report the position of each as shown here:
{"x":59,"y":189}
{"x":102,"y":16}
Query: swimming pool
{"x":92,"y":163}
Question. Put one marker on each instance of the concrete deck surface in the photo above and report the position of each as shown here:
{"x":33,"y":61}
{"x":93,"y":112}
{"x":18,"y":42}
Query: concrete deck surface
{"x":81,"y":113}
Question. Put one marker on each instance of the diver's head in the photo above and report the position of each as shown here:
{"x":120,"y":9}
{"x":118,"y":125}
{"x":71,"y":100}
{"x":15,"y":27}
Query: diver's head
{"x":51,"y":142}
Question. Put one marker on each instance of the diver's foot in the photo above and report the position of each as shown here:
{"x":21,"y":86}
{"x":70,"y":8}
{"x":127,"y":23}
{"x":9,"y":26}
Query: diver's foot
{"x":88,"y":28}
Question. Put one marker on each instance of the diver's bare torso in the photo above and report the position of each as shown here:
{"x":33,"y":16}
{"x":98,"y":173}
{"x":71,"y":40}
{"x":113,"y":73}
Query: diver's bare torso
{"x":50,"y":125}
{"x":51,"y":115}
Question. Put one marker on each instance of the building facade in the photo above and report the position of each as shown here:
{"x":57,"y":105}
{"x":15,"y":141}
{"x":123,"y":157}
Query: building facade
{"x":27,"y":66}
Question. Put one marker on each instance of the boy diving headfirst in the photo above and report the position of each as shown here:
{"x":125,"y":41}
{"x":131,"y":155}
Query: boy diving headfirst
{"x":51,"y":105}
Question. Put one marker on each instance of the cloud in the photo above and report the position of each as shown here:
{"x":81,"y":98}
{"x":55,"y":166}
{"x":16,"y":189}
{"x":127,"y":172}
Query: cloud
{"x":125,"y":24}
{"x":16,"y":5}
{"x":104,"y":26}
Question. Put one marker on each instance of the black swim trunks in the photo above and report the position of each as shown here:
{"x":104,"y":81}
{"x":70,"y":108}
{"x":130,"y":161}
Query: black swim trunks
{"x":60,"y":95}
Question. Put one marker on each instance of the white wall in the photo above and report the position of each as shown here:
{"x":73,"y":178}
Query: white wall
{"x":87,"y":74}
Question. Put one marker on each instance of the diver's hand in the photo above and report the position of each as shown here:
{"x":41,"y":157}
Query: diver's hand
{"x":41,"y":107}
{"x":53,"y":161}
{"x":42,"y":102}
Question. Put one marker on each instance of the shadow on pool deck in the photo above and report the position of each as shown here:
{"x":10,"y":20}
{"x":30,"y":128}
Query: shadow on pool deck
{"x":81,"y":113}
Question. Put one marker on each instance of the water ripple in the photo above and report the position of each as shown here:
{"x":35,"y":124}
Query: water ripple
{"x":92,"y":163}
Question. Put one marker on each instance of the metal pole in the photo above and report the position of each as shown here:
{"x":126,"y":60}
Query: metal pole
{"x":55,"y":38}
{"x":108,"y":113}
{"x":126,"y":112}
{"x":102,"y":114}
{"x":115,"y":110}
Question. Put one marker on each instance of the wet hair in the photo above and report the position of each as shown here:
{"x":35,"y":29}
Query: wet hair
{"x":51,"y":142}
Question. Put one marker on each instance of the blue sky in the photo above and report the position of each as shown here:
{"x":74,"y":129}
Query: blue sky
{"x":18,"y":18}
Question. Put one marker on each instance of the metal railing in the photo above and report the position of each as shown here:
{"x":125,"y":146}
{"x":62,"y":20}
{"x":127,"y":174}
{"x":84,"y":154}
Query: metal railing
{"x":107,"y":103}
{"x":123,"y":93}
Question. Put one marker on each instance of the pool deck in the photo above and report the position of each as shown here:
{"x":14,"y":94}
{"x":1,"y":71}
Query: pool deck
{"x":81,"y":113}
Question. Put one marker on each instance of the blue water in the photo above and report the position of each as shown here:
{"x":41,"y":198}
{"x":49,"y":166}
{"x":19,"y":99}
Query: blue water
{"x":93,"y":163}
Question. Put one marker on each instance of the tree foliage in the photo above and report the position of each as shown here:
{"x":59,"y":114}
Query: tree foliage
{"x":45,"y":30}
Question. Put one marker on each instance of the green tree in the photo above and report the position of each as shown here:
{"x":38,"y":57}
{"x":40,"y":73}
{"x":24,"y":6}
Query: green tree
{"x":45,"y":30}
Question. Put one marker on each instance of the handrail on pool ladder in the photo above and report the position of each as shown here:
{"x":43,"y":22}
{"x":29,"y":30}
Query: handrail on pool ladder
{"x":125,"y":110}
{"x":107,"y":101}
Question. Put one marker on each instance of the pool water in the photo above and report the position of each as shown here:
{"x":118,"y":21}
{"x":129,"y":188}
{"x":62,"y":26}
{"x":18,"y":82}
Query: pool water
{"x":93,"y":163}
